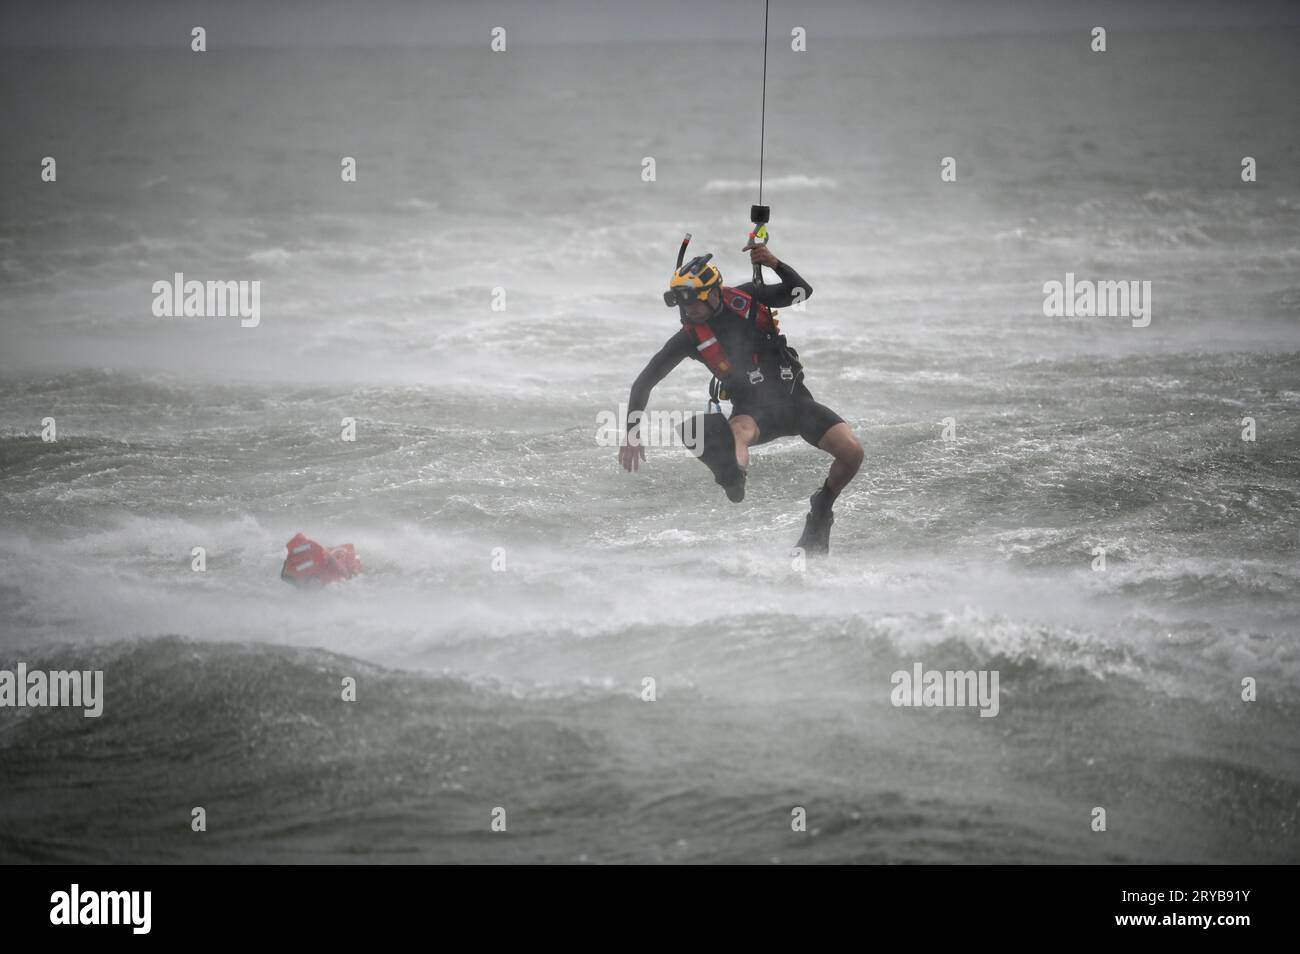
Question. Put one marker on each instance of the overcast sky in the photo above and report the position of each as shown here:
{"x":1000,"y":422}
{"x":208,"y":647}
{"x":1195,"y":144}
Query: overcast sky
{"x":311,"y":23}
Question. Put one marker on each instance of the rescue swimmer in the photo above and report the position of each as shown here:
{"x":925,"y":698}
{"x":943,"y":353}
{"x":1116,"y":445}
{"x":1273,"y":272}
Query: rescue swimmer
{"x":733,"y":332}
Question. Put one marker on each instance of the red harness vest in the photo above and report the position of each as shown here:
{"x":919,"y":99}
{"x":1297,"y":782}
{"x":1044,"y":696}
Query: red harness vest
{"x":707,"y":345}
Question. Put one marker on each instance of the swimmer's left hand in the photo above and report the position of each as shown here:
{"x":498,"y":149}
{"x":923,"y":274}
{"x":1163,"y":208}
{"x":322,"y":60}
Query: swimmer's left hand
{"x":761,"y":255}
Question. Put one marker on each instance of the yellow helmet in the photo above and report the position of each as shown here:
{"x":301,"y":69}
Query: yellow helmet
{"x":692,"y":282}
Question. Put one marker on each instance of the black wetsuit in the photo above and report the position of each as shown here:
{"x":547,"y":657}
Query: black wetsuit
{"x":778,"y":408}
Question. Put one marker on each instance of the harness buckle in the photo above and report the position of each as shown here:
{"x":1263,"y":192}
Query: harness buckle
{"x":756,"y":376}
{"x":787,"y":373}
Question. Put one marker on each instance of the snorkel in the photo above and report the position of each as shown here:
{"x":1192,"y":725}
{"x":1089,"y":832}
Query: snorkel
{"x":681,"y":252}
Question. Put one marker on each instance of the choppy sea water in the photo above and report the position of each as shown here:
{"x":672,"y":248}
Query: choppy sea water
{"x":476,"y":431}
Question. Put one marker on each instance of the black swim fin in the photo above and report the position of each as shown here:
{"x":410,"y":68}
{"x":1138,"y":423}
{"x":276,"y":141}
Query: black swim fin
{"x":816,"y":536}
{"x":716,"y":443}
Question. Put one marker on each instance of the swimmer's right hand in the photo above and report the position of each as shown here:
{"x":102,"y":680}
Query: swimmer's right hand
{"x":629,"y":453}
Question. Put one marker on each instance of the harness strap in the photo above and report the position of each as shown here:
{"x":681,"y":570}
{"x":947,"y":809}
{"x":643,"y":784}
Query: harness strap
{"x":763,"y":318}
